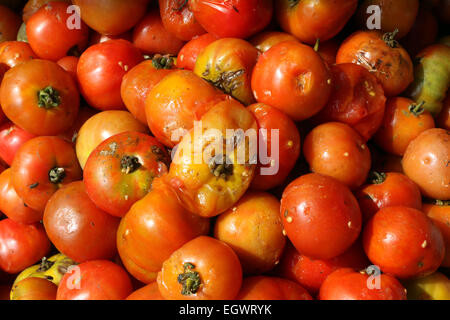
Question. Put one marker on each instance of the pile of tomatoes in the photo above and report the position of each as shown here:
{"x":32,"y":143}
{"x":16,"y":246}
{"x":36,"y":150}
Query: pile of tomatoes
{"x":345,"y":195}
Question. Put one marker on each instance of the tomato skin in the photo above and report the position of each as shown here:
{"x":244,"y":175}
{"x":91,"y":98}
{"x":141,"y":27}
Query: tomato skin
{"x":69,"y":63}
{"x":97,"y":38}
{"x":34,"y":289}
{"x":12,"y":138}
{"x":100,"y":71}
{"x":440,"y":214}
{"x":232,"y":19}
{"x":265,"y":40}
{"x":32,"y":6}
{"x":403,"y":242}
{"x":320,"y":215}
{"x":271,"y":288}
{"x":9,"y":24}
{"x":188,"y":54}
{"x":121,"y":169}
{"x":292,"y":77}
{"x":348,"y":284}
{"x":328,"y":51}
{"x":149,"y":292}
{"x":13,"y":53}
{"x":215,"y":262}
{"x":312,"y":20}
{"x":21,"y":245}
{"x":96,"y":280}
{"x":84,"y":114}
{"x":73,"y":234}
{"x":443,"y":119}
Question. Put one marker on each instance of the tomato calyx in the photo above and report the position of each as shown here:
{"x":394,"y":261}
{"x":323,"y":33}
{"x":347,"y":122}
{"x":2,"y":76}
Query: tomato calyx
{"x":417,"y":109}
{"x":389,"y":39}
{"x":293,"y":3}
{"x":45,"y":265}
{"x":57,"y":175}
{"x":162,"y":62}
{"x":49,"y":98}
{"x":189,"y":279}
{"x":181,"y":6}
{"x":226,"y":81}
{"x":129,"y":164}
{"x":221,"y":167}
{"x":442,"y":203}
{"x":377,"y":177}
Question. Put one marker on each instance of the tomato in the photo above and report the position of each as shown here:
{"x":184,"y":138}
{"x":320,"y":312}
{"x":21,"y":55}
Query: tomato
{"x":403,"y":242}
{"x":149,"y":292}
{"x":252,"y":228}
{"x":382,"y":55}
{"x":320,"y":216}
{"x":95,"y":280}
{"x":40,"y":97}
{"x":74,"y":224}
{"x":176,"y":102}
{"x":202,"y":269}
{"x":9,"y":24}
{"x":83,"y":115}
{"x":311,"y":20}
{"x":11,"y":205}
{"x":348,"y":284}
{"x":292,"y":77}
{"x":100,"y":71}
{"x":121,"y":169}
{"x":443,"y":119}
{"x":32,"y":6}
{"x":151,"y":37}
{"x":41,"y":166}
{"x":111,"y":17}
{"x":100,"y":127}
{"x":271,"y":288}
{"x":69,"y":63}
{"x":139,"y":81}
{"x":13,"y":53}
{"x":274,"y":165}
{"x":433,"y":287}
{"x":232,"y":19}
{"x":153,"y":229}
{"x":440,"y":214}
{"x":21,"y":245}
{"x":97,"y":38}
{"x":34,"y":289}
{"x":336,"y":150}
{"x":188,"y":54}
{"x":328,"y":50}
{"x":426,"y":162}
{"x":265,"y":40}
{"x":12,"y":138}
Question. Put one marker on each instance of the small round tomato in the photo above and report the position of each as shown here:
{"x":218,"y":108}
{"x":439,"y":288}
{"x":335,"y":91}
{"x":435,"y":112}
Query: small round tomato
{"x":403,"y":242}
{"x":426,"y":162}
{"x":74,"y":224}
{"x":320,"y":216}
{"x":95,"y":280}
{"x":265,"y":40}
{"x":311,"y":20}
{"x":292,"y":77}
{"x":151,"y":37}
{"x":12,"y":138}
{"x":149,"y":292}
{"x":32,"y":6}
{"x":153,"y":229}
{"x":15,"y":52}
{"x":9,"y":24}
{"x":349,"y":284}
{"x":440,"y":214}
{"x":404,"y":120}
{"x":232,"y":19}
{"x":443,"y":119}
{"x":41,"y":166}
{"x":202,"y":269}
{"x":187,"y":56}
{"x":271,"y":288}
{"x":100,"y":127}
{"x":21,"y":245}
{"x":121,"y":169}
{"x":382,"y":55}
{"x":336,"y":150}
{"x":34,"y":289}
{"x":100,"y":71}
{"x":40,"y":97}
{"x":69,"y":63}
{"x":357,"y":99}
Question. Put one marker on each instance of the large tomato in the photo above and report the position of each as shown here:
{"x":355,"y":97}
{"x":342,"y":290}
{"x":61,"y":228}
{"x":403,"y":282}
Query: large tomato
{"x":440,"y":214}
{"x":271,"y":288}
{"x":187,"y":56}
{"x":9,"y":24}
{"x":265,"y":40}
{"x":12,"y":138}
{"x":13,"y":53}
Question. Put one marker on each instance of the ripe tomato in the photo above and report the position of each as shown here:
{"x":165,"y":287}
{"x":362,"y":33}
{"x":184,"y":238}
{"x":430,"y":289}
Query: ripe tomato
{"x":100,"y":127}
{"x":151,"y":37}
{"x":95,"y":280}
{"x":336,"y":150}
{"x":11,"y":205}
{"x":111,"y":17}
{"x":348,"y":284}
{"x":69,"y":63}
{"x":440,"y":214}
{"x":21,"y":245}
{"x":149,"y":292}
{"x":176,"y":102}
{"x":320,"y":215}
{"x":121,"y":169}
{"x":13,"y":53}
{"x":139,"y":81}
{"x":9,"y":24}
{"x":271,"y":288}
{"x":232,"y":19}
{"x":280,"y":155}
{"x":382,"y":55}
{"x":100,"y":71}
{"x":97,"y":38}
{"x":357,"y":99}
{"x":41,"y":166}
{"x":443,"y":119}
{"x":56,"y":106}
{"x":74,"y":224}
{"x":252,"y":228}
{"x":32,"y":6}
{"x":292,"y":77}
{"x":265,"y":40}
{"x":187,"y":56}
{"x":202,"y":269}
{"x":311,"y":20}
{"x":153,"y":229}
{"x":403,"y":242}
{"x":426,"y":162}
{"x":388,"y":190}
{"x":404,"y":120}
{"x":34,"y":289}
{"x":12,"y":138}
{"x":84,"y":114}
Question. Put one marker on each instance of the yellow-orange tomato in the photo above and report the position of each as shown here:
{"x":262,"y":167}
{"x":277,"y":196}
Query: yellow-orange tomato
{"x":440,"y":214}
{"x":34,"y":289}
{"x":265,"y":40}
{"x":149,"y":292}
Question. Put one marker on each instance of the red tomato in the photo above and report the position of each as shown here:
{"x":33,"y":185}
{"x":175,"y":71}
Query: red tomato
{"x":9,"y":24}
{"x":191,"y":50}
{"x":13,"y":53}
{"x":100,"y":71}
{"x":95,"y":280}
{"x":440,"y":214}
{"x":32,"y":6}
{"x":271,"y":288}
{"x":21,"y":245}
{"x":149,"y":292}
{"x":70,"y":63}
{"x":12,"y":138}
